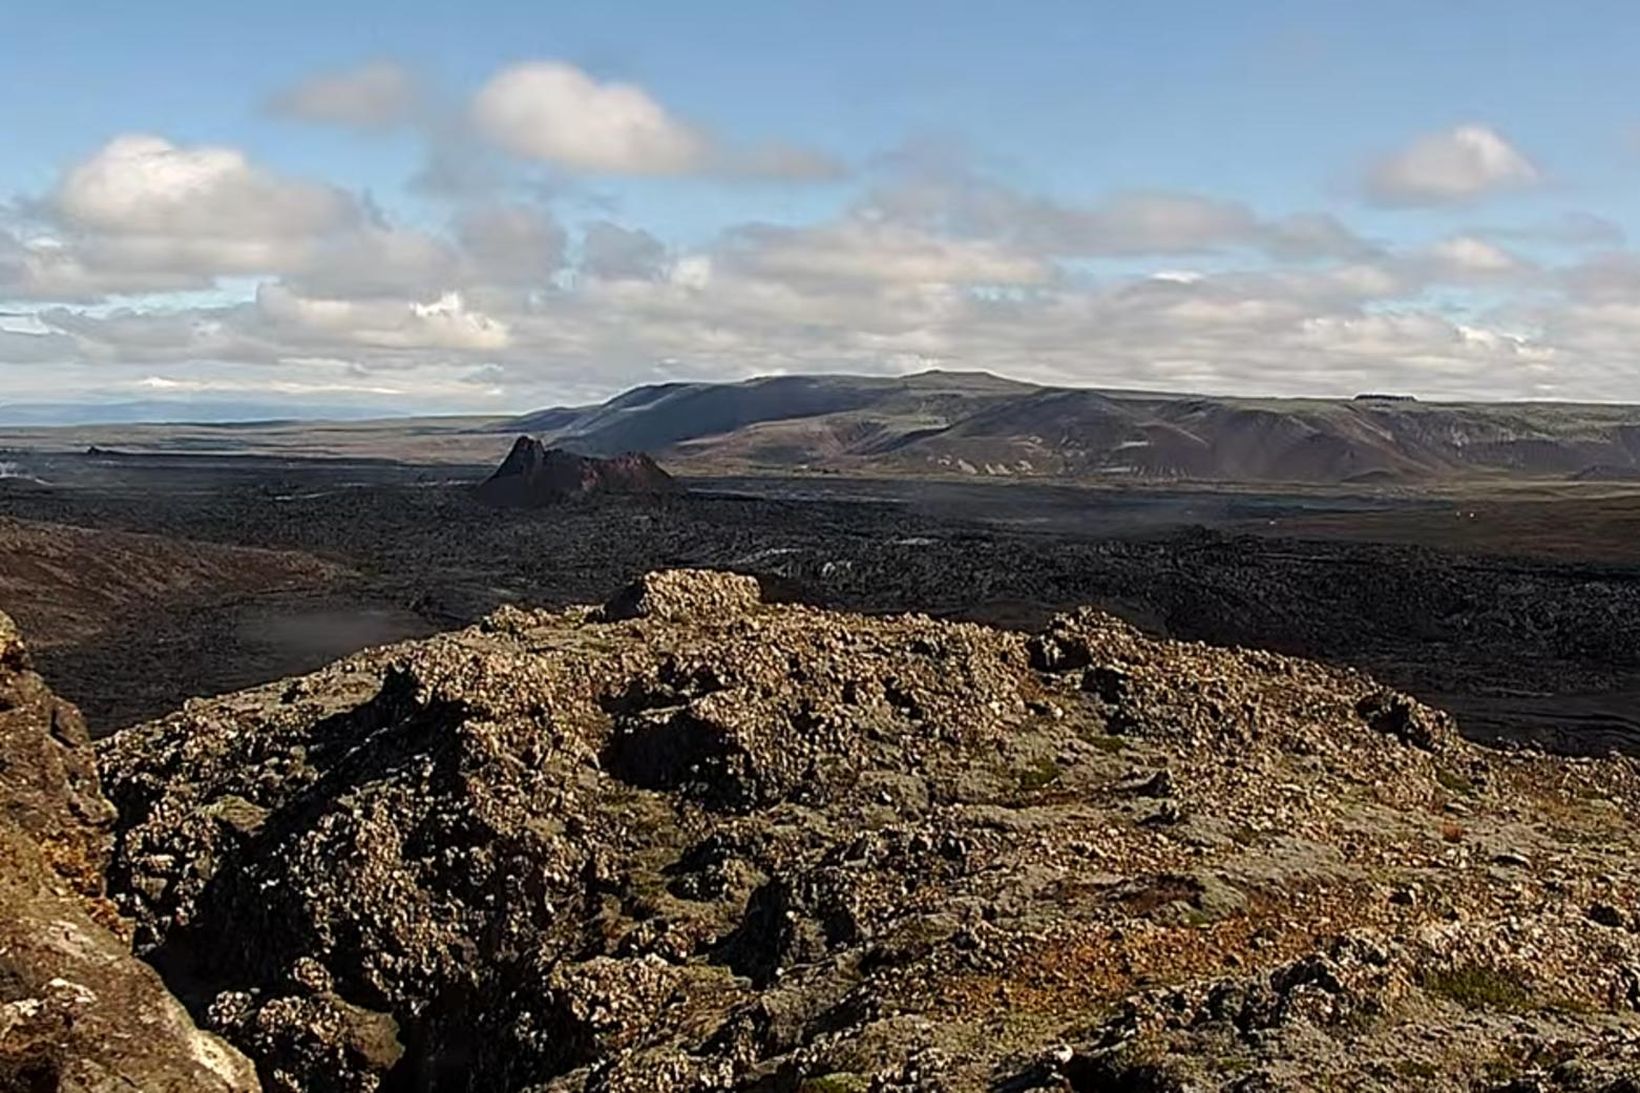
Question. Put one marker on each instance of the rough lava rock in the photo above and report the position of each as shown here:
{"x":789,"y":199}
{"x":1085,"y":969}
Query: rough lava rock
{"x":691,"y":841}
{"x":534,"y":475}
{"x":78,"y":1012}
{"x":685,"y":595}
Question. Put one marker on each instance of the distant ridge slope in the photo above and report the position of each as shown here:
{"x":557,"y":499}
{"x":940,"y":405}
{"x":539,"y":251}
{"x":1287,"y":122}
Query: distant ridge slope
{"x":976,"y":423}
{"x":533,"y":474}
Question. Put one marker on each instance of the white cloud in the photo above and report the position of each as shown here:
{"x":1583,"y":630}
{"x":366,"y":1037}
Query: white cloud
{"x":867,"y":252}
{"x":140,"y":184}
{"x":1127,"y":223}
{"x":1612,"y":278}
{"x":512,"y":244}
{"x":779,"y":162}
{"x":550,"y":111}
{"x":20,"y":347}
{"x":47,"y":268}
{"x":1452,"y":166}
{"x":949,"y":270}
{"x":447,"y":323}
{"x":376,"y":261}
{"x":145,"y":215}
{"x":553,"y":112}
{"x":1466,"y":256}
{"x":1573,"y":228}
{"x":375,"y":95}
{"x":754,"y":306}
{"x":614,"y":252}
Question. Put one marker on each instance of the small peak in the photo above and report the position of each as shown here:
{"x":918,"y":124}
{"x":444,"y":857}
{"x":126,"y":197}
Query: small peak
{"x":533,"y":474}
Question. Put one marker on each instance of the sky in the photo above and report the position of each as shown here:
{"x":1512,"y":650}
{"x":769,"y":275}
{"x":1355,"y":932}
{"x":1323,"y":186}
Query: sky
{"x":413,"y":207}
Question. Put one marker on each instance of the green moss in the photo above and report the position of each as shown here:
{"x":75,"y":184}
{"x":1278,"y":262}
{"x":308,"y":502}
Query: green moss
{"x":1108,"y":744}
{"x":1037,"y":776}
{"x":1453,"y":782}
{"x":839,"y":1082}
{"x":1477,"y":986}
{"x":1416,"y":1070}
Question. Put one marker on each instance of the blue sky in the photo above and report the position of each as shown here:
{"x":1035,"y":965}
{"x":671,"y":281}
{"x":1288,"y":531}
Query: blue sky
{"x":838,"y":185}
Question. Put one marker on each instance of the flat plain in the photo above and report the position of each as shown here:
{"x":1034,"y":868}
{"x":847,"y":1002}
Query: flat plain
{"x":1516,"y":605}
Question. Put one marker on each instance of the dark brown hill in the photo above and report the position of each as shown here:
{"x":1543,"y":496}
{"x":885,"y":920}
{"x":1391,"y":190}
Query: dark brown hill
{"x":533,"y":474}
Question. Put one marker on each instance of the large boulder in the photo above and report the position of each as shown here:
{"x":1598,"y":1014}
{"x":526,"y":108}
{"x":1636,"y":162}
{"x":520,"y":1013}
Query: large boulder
{"x":78,"y":1012}
{"x":685,"y":595}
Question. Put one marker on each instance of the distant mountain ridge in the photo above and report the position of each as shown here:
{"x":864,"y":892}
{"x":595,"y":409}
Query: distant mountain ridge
{"x":977,"y":423}
{"x":175,"y":411}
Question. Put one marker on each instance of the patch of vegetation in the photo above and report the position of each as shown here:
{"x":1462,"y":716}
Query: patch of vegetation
{"x":1572,"y":1007}
{"x":1416,"y":1070}
{"x":1108,"y":743}
{"x":1479,"y":986}
{"x":1142,"y":1067}
{"x":1454,"y":782}
{"x":839,"y":1082}
{"x":1038,"y":776}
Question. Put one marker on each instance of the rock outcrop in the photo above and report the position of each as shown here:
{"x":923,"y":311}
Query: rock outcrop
{"x":690,"y":841}
{"x":534,"y":475}
{"x":78,"y":1012}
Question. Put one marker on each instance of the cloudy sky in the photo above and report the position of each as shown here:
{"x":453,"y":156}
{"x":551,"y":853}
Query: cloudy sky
{"x":488,"y":206}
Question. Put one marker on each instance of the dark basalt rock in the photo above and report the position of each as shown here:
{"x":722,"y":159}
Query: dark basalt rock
{"x":533,"y":475}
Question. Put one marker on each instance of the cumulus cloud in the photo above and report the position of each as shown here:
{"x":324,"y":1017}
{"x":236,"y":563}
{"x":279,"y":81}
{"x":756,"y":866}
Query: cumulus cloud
{"x":48,"y":268}
{"x":553,"y":112}
{"x":447,"y":323}
{"x":375,"y":95}
{"x":870,"y":296}
{"x":512,"y":244}
{"x":865,"y":251}
{"x":1141,"y":222}
{"x":139,"y":184}
{"x":777,"y":161}
{"x":946,"y":194}
{"x":926,"y":268}
{"x":616,"y":253}
{"x":1466,"y":257}
{"x":376,"y":261}
{"x":23,"y":347}
{"x":143,"y":215}
{"x":1574,"y":228}
{"x":1455,"y":165}
{"x":1609,"y":278}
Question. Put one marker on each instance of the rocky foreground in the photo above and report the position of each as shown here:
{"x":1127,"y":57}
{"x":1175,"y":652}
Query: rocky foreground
{"x":690,"y":841}
{"x":78,"y":1012}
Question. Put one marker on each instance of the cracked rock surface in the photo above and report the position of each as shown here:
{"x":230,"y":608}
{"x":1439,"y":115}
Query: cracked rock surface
{"x":691,"y":841}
